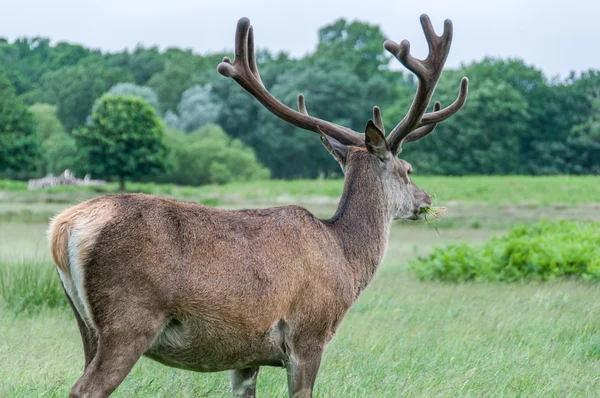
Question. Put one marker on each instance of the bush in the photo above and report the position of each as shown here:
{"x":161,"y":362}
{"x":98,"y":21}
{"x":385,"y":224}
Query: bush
{"x":210,"y":156}
{"x":544,"y":251}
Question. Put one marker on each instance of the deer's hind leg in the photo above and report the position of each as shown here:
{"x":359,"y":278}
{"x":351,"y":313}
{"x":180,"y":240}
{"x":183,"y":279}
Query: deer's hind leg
{"x":88,"y":336}
{"x":120,"y":345}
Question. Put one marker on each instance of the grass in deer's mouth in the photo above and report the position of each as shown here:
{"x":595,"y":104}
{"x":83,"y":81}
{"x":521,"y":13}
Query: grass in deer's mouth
{"x":433,"y":214}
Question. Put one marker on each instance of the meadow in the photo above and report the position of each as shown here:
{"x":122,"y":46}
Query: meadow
{"x":403,"y":337}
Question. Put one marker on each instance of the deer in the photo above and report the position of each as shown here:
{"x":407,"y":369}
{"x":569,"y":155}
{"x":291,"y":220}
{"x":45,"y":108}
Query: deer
{"x":207,"y":289}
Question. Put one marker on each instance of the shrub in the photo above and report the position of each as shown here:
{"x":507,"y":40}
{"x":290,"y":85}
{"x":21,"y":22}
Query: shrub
{"x":544,"y":251}
{"x":210,"y":156}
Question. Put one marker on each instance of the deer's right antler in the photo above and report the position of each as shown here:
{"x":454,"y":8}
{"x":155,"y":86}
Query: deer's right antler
{"x":244,"y":71}
{"x":416,"y":124}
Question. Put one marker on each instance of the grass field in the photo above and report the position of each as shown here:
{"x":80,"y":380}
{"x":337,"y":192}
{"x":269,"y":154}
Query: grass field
{"x":402,"y":337}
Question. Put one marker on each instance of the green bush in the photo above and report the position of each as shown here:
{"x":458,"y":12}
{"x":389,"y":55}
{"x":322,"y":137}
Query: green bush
{"x":544,"y":251}
{"x":210,"y":156}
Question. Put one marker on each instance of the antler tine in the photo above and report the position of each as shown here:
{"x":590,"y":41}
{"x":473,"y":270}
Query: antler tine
{"x":428,"y":72}
{"x":440,"y":115}
{"x":377,"y":119}
{"x":245,"y":72}
{"x":424,"y":130}
{"x":302,"y":105}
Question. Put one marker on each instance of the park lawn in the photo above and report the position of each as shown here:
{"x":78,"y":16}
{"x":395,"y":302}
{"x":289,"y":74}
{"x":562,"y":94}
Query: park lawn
{"x":402,"y":338}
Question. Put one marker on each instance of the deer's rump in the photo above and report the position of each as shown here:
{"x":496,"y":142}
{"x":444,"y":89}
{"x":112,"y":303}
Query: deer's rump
{"x":212,"y":277}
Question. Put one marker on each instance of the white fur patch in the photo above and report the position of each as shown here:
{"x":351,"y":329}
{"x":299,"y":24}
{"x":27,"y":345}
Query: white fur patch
{"x":74,"y":286}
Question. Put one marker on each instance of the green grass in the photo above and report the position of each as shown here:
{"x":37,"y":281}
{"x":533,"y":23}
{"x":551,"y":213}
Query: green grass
{"x":402,"y":338}
{"x":531,"y":190}
{"x":28,"y":287}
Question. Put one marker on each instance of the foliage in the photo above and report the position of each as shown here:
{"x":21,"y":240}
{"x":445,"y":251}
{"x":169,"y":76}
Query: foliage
{"x":516,"y":120}
{"x":59,"y":152}
{"x":19,"y":144}
{"x":544,"y":251}
{"x":146,"y":93}
{"x":74,"y":88}
{"x":46,"y":122}
{"x":124,"y":139}
{"x":196,"y":109}
{"x":357,"y":45}
{"x":332,"y":93}
{"x":209,"y":156}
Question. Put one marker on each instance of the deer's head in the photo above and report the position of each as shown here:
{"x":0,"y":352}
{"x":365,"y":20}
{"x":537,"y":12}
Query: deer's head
{"x":371,"y":154}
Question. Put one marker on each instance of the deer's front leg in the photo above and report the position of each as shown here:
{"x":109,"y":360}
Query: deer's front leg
{"x":302,"y":368}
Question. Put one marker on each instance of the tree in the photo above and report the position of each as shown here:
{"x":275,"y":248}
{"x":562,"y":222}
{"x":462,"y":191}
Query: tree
{"x":357,"y":45}
{"x":75,"y":88}
{"x":58,"y":150}
{"x":196,"y":108}
{"x":144,"y":63}
{"x":46,"y":122}
{"x":124,"y":139}
{"x":332,"y":93}
{"x":19,"y":145}
{"x":146,"y":93}
{"x":584,"y":141}
{"x":170,"y":84}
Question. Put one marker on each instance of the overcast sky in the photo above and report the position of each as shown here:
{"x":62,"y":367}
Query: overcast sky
{"x":555,"y":36}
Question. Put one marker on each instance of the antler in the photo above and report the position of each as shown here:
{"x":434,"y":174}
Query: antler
{"x":417,"y":124}
{"x":244,"y":71}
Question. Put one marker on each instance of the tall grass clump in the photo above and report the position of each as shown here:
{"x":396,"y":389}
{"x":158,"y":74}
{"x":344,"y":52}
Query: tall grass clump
{"x":543,"y":251}
{"x":26,"y":287}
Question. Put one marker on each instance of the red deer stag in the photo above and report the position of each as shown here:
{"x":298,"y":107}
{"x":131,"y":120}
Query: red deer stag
{"x":208,"y":290}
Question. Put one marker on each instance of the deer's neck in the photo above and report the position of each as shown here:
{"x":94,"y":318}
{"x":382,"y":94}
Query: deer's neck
{"x":362,"y":225}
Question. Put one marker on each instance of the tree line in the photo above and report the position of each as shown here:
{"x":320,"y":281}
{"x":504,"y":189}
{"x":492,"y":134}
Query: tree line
{"x":516,"y":120}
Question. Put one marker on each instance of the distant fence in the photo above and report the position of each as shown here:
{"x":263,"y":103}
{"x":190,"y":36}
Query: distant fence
{"x":66,"y":178}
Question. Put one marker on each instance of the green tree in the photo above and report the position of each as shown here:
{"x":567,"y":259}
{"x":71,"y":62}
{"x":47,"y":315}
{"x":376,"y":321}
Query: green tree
{"x":19,"y":145}
{"x":58,"y":150}
{"x":46,"y":121}
{"x":75,"y":88}
{"x":357,"y":45}
{"x":332,"y":93}
{"x":146,"y":93}
{"x":144,"y":63}
{"x":196,"y":109}
{"x":584,"y":141}
{"x":124,"y":139}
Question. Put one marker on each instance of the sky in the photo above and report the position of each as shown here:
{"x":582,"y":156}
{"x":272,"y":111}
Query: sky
{"x":554,"y":36}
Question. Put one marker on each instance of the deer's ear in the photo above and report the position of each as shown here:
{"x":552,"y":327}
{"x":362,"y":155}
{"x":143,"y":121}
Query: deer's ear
{"x":338,"y":150}
{"x":375,"y":142}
